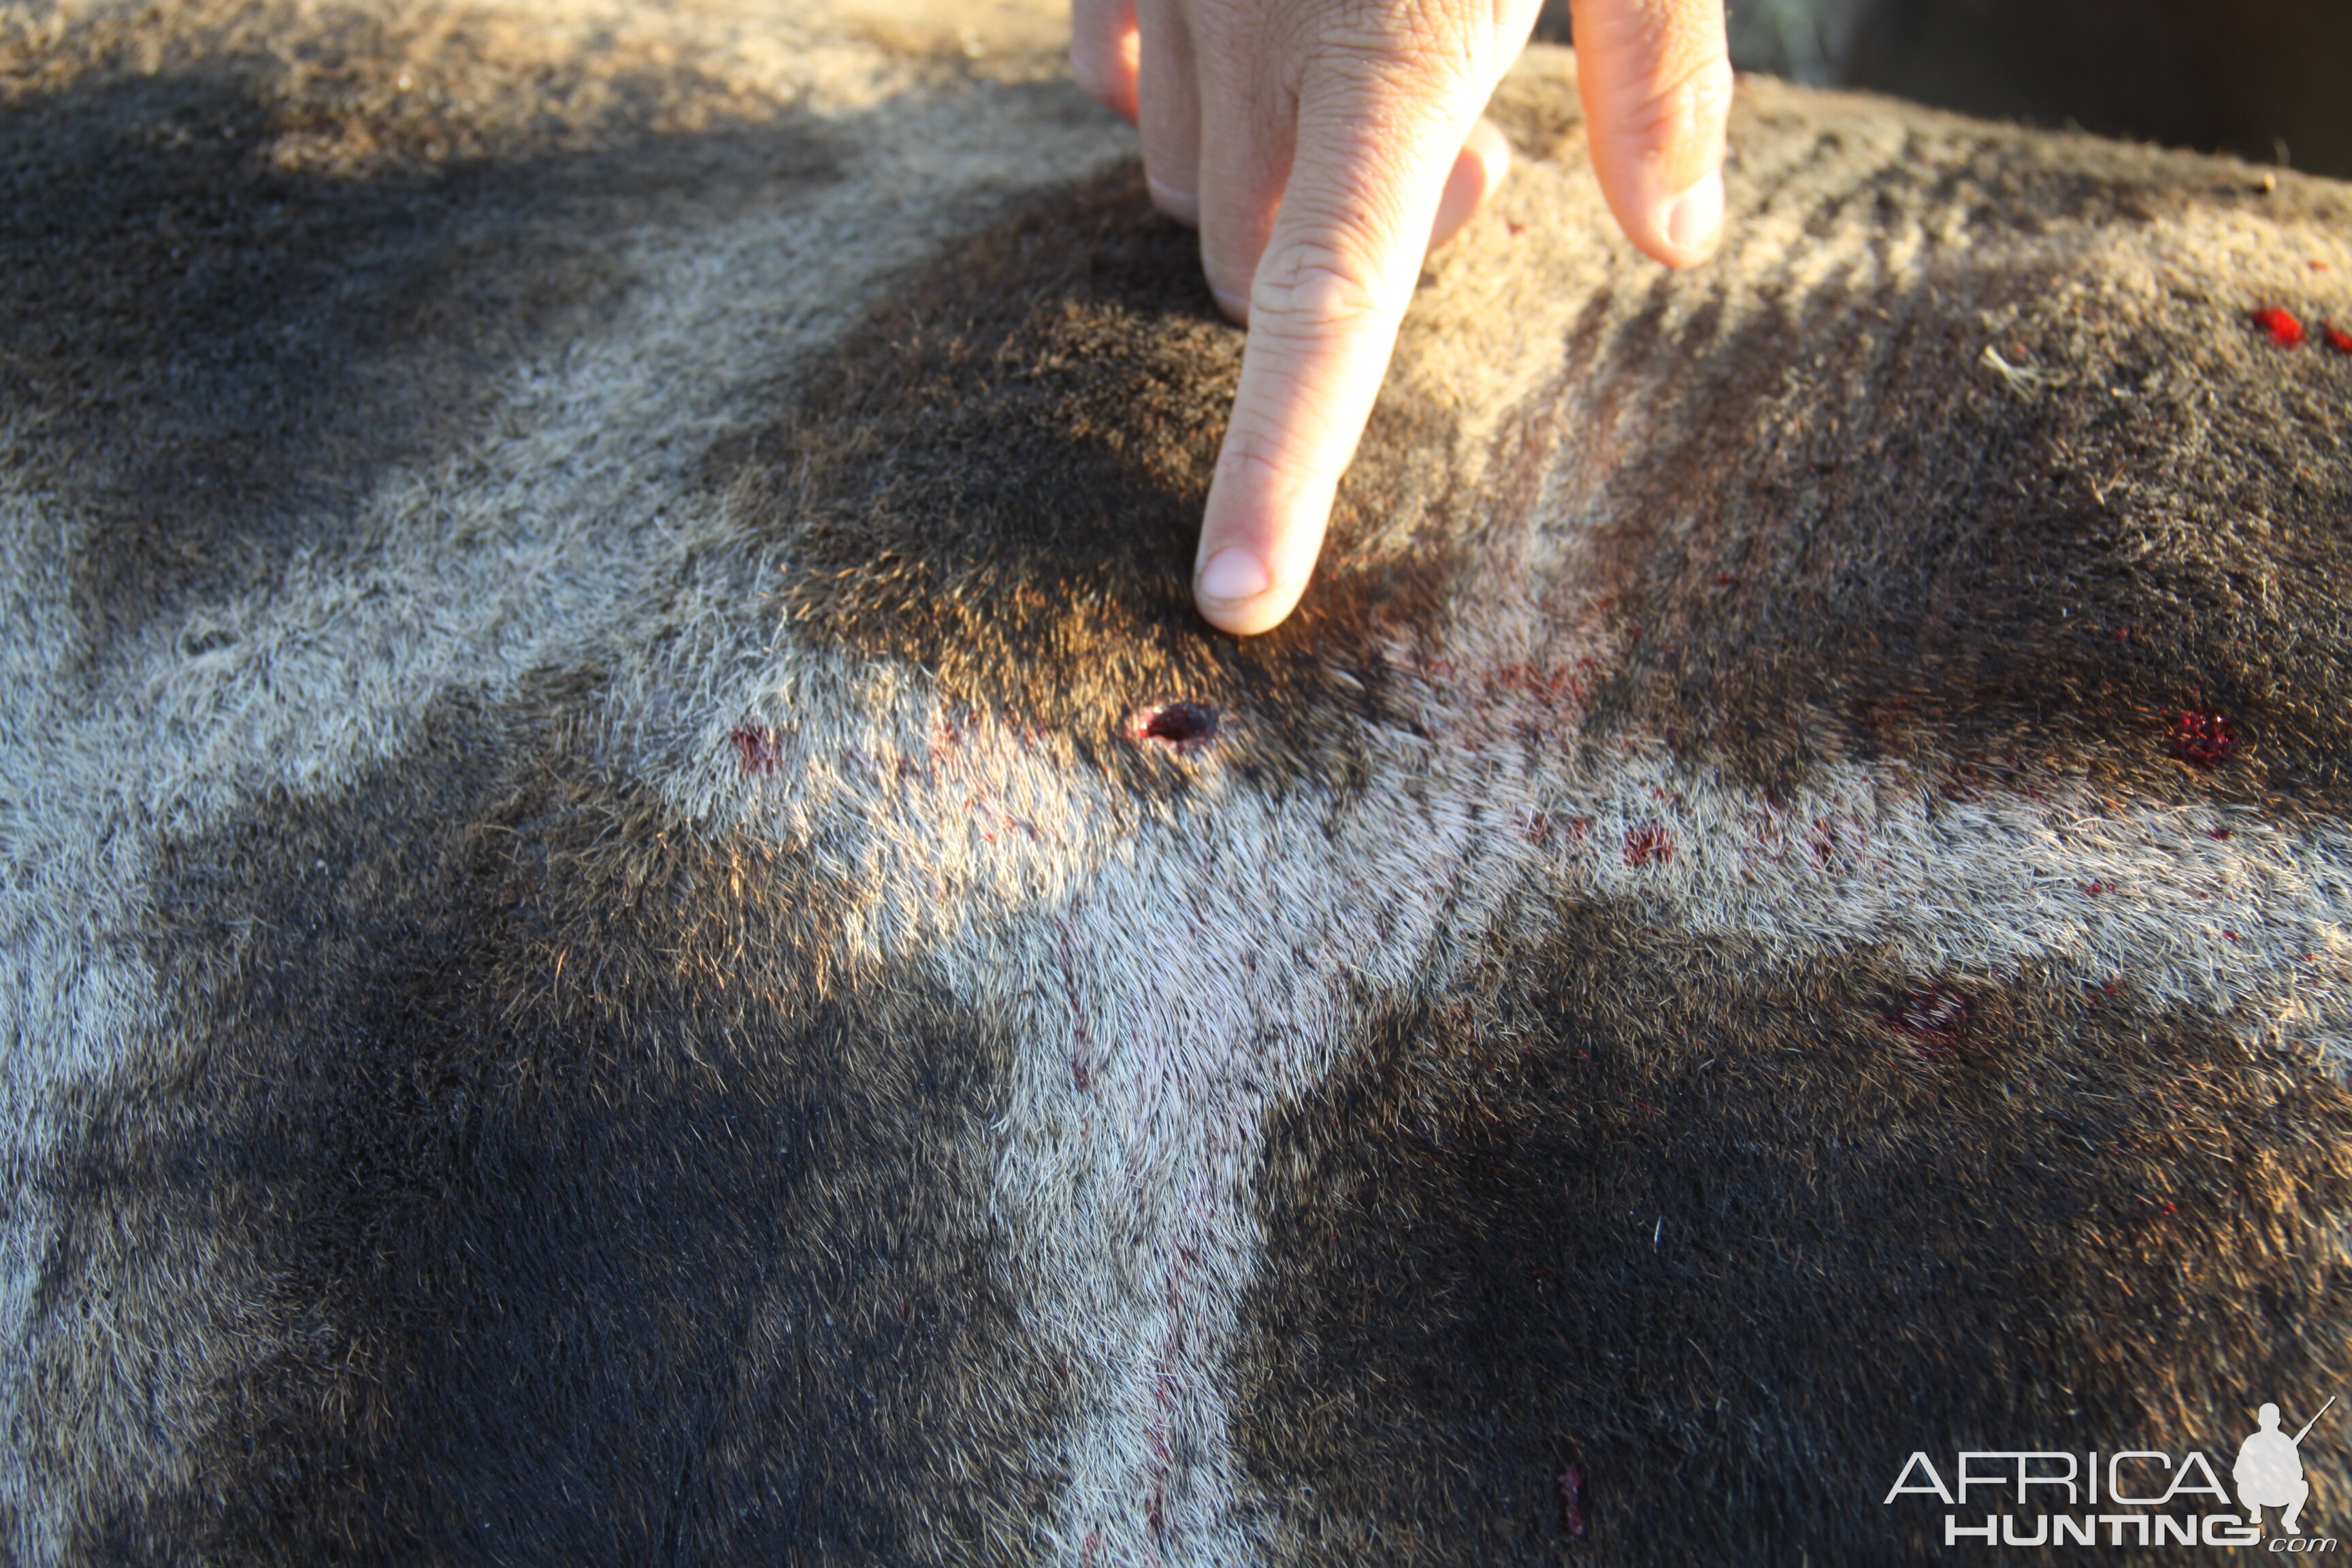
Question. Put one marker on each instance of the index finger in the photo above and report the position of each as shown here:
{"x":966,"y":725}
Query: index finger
{"x":1340,"y":266}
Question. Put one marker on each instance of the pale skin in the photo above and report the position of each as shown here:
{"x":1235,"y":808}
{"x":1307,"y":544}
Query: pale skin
{"x":1322,"y":148}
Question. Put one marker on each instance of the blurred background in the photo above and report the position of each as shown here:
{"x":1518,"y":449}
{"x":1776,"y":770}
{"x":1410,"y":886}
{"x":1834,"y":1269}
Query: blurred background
{"x":2267,"y":79}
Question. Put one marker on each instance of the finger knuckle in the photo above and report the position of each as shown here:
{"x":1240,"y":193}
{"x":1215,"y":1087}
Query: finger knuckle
{"x":1693,"y":97}
{"x":1316,"y":287}
{"x":1263,"y":456}
{"x":1428,"y":35}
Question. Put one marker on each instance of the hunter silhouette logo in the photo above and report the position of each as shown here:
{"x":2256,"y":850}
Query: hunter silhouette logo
{"x":2268,"y":1471}
{"x":2130,"y":1497}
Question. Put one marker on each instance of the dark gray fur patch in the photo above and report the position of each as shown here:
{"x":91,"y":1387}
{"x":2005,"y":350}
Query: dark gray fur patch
{"x":594,"y":1219}
{"x":1830,"y":529}
{"x":1000,"y":476}
{"x":218,"y":355}
{"x":1926,"y":569}
{"x":1735,"y":1235}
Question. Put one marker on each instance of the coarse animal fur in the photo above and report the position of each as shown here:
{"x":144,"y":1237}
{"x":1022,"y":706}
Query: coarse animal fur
{"x":641,"y":927}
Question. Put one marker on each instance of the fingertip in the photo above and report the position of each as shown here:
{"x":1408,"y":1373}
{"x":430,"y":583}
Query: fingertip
{"x":1488,"y":143}
{"x":1168,"y":111}
{"x":1233,"y":575}
{"x":1694,"y":221}
{"x":1679,"y":229}
{"x":1478,"y":170}
{"x":1231,"y":590}
{"x":1236,"y":592}
{"x":1114,"y":88}
{"x":1258,"y":544}
{"x":1106,"y":55}
{"x":1657,"y":85}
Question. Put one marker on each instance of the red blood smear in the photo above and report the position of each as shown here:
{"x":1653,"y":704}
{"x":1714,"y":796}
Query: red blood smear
{"x":1180,"y":724}
{"x":1648,"y":845}
{"x":2338,"y":339}
{"x":2203,"y":737}
{"x":2284,"y":328}
{"x":2217,"y":833}
{"x":755,"y":750}
{"x":1571,"y":1498}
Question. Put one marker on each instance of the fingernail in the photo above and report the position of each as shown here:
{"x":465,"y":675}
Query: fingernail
{"x":1233,"y":573}
{"x":1697,"y":213}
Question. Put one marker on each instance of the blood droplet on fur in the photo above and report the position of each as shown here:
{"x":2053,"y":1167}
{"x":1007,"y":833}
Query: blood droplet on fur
{"x":2203,"y":737}
{"x":2281,"y":324}
{"x":1571,"y":1498}
{"x":1180,"y":726}
{"x":1648,"y":845}
{"x":755,"y":750}
{"x":2337,"y":338}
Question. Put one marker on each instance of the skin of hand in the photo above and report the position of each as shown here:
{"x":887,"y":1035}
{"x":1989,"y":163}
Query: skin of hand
{"x":1322,"y":148}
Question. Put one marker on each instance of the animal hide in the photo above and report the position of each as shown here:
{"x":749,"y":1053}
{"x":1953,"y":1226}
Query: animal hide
{"x":640,"y":925}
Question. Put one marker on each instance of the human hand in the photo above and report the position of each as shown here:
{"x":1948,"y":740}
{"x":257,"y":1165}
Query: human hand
{"x":1322,"y":147}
